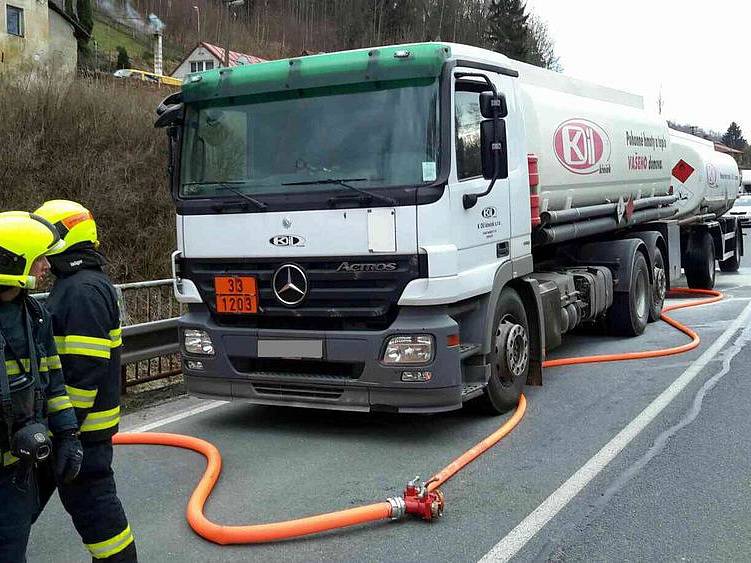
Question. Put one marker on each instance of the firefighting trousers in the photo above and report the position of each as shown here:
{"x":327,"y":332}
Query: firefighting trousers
{"x":92,"y":502}
{"x":19,"y":507}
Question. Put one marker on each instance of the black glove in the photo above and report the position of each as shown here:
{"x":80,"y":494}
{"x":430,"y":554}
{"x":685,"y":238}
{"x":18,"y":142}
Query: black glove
{"x":68,"y":456}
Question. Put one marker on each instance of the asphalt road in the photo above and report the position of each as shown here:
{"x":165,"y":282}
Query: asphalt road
{"x":568,"y":484}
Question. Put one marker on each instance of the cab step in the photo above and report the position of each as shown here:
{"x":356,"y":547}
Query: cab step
{"x":471,"y":391}
{"x":468,"y":350}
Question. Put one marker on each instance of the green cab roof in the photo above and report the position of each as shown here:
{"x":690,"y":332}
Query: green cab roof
{"x":424,"y":60}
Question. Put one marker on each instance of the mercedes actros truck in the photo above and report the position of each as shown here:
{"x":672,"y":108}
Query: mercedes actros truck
{"x":409,"y":228}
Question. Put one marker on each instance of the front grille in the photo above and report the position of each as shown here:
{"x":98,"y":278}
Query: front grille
{"x":337,"y":299}
{"x":294,"y":391}
{"x":297,"y":368}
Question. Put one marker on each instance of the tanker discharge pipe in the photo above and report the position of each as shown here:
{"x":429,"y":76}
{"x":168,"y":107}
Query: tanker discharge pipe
{"x":592,"y":211}
{"x":571,"y":231}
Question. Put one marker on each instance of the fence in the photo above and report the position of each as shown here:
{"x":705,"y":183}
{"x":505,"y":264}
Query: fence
{"x":150,"y":345}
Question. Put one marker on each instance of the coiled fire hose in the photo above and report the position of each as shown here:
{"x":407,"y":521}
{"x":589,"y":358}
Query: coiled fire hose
{"x":421,"y":499}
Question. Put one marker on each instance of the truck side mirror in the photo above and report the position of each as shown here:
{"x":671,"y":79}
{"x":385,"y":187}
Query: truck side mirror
{"x":493,"y":151}
{"x":490,"y":101}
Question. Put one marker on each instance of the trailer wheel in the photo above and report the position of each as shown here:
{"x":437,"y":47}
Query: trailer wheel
{"x":629,"y":313}
{"x":699,"y":267}
{"x":509,"y":357}
{"x":659,"y":287}
{"x":734,"y":262}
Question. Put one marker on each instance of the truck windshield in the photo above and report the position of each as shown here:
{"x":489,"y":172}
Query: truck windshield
{"x":385,"y":134}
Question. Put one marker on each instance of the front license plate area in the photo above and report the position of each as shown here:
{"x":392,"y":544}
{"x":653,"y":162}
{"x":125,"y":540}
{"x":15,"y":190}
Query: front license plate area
{"x":292,"y":349}
{"x":236,"y":295}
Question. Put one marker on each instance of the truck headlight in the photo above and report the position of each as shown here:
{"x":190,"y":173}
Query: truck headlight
{"x":197,"y":342}
{"x":409,"y":349}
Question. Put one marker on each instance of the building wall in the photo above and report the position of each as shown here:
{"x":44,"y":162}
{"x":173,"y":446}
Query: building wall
{"x":33,"y":46}
{"x":63,"y":47}
{"x":198,"y":54}
{"x":47,"y":41}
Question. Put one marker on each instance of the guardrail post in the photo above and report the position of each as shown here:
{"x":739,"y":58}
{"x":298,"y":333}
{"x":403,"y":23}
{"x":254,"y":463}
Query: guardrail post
{"x":123,"y":379}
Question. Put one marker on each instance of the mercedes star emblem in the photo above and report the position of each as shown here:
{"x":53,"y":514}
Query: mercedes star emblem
{"x":290,"y":284}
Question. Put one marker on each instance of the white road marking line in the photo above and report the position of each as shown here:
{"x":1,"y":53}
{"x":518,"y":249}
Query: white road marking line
{"x":175,"y":417}
{"x":517,"y":538}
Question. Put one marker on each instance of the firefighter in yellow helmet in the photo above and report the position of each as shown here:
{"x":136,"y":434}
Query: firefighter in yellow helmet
{"x":33,"y":399}
{"x":86,"y":322}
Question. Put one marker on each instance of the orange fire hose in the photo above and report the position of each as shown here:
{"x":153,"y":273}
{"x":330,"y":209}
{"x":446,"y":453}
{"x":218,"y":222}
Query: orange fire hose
{"x":261,"y":533}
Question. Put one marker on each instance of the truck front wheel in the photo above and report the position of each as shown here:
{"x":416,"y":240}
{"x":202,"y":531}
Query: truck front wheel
{"x":509,"y":357}
{"x":699,"y":266}
{"x":630,"y":310}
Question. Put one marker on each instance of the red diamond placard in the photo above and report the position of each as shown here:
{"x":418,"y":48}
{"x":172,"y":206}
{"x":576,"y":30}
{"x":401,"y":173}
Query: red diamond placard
{"x":682,"y":171}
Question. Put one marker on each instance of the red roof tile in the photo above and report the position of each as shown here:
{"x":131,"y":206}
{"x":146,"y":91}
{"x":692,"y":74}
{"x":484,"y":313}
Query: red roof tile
{"x":235,"y":58}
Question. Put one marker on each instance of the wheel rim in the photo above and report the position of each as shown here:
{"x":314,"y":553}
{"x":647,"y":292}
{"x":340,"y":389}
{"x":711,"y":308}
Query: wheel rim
{"x":641,"y":296}
{"x":517,"y":350}
{"x":660,"y":285}
{"x":512,"y":350}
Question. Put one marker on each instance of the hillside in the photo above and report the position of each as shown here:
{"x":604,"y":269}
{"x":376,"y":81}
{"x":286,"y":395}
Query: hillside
{"x":93,"y":141}
{"x":109,"y":34}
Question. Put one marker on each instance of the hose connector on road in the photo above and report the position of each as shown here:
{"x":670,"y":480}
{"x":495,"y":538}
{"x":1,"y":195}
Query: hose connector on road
{"x":398,"y":507}
{"x":418,"y":500}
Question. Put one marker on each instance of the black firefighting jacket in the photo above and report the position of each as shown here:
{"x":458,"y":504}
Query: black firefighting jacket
{"x":86,"y":322}
{"x":15,"y":366}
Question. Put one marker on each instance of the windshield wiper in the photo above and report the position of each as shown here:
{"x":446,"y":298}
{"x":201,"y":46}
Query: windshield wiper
{"x":343,"y":182}
{"x":259,"y":204}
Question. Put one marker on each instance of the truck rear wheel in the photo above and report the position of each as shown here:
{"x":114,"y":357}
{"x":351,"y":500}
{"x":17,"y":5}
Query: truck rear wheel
{"x":629,"y":313}
{"x":699,"y":267}
{"x":734,"y":262}
{"x":659,"y":287}
{"x":509,"y":357}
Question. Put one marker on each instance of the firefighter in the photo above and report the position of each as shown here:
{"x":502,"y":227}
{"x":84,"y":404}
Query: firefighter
{"x":32,"y":391}
{"x":86,"y":322}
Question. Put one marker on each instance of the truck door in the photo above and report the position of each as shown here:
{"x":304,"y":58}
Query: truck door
{"x":482,"y":232}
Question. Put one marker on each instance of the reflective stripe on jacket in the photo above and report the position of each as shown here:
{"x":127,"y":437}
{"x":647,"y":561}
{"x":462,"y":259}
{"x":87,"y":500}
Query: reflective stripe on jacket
{"x":86,"y":322}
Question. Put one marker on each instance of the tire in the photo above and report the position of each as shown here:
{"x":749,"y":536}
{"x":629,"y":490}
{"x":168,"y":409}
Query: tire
{"x":734,"y":262}
{"x":629,"y":313}
{"x":509,"y":357}
{"x":699,"y":267}
{"x":659,"y":287}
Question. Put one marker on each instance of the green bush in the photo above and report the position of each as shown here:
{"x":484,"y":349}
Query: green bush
{"x":123,"y":60}
{"x":92,"y":141}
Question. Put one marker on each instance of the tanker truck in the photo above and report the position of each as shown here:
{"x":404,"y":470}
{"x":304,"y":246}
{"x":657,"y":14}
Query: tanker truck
{"x":706,"y":182}
{"x":409,"y":228}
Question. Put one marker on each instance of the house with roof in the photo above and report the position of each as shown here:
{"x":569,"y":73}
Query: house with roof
{"x":206,"y":56}
{"x":37,"y":34}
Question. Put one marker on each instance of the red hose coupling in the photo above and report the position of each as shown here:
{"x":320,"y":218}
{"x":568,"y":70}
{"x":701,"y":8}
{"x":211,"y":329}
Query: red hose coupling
{"x":421,"y":502}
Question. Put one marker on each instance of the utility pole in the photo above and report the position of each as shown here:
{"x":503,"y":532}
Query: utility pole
{"x":198,"y":21}
{"x":230,"y":4}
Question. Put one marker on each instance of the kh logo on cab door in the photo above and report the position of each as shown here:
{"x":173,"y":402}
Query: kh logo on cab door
{"x":582,"y":147}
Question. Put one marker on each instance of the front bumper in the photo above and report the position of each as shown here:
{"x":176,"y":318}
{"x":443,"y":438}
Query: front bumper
{"x":350,"y":375}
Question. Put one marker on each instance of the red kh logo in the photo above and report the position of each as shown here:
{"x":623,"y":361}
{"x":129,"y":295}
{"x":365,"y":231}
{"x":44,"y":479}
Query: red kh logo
{"x":581,"y":146}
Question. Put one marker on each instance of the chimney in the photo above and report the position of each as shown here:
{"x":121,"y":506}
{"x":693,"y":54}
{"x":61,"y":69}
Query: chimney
{"x":157,"y":26}
{"x":158,"y":52}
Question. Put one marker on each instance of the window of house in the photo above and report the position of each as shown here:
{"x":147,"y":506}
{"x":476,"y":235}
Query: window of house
{"x":467,"y":124}
{"x":14,"y":19}
{"x":200,"y":66}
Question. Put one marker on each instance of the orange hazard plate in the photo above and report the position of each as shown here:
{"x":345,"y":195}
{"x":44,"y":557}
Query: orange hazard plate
{"x":236,"y":294}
